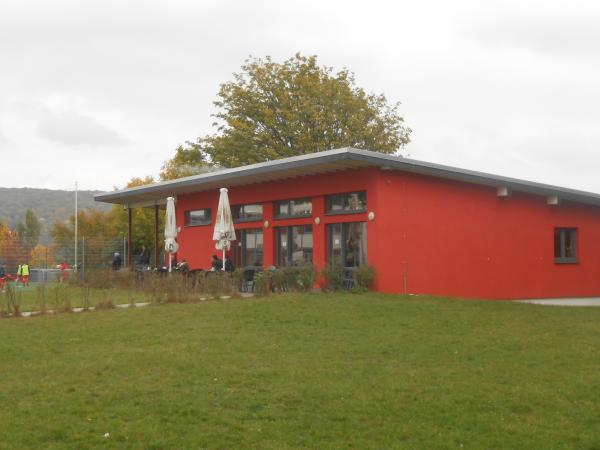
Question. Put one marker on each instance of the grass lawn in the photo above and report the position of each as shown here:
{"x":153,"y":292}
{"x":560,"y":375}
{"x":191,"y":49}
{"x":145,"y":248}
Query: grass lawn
{"x":304,"y":371}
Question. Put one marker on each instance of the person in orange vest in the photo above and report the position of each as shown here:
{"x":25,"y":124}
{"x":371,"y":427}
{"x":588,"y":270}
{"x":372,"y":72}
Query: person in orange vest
{"x":64,"y":274}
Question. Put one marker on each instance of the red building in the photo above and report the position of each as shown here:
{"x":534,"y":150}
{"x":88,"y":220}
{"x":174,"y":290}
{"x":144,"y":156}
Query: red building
{"x":426,"y":228}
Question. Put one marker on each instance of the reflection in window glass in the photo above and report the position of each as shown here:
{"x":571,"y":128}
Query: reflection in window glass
{"x":294,"y":245}
{"x":347,"y":243}
{"x":565,"y":245}
{"x":247,"y":213}
{"x":197,"y":217}
{"x":349,"y":202}
{"x":252,"y":247}
{"x":294,"y":208}
{"x":301,"y":207}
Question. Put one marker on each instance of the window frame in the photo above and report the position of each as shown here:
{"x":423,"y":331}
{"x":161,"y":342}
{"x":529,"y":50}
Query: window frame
{"x":186,"y":218}
{"x":277,"y":215}
{"x":244,"y":220}
{"x":290,"y":245}
{"x":562,"y":236}
{"x":343,"y":237}
{"x":329,"y":212}
{"x":243,"y":240}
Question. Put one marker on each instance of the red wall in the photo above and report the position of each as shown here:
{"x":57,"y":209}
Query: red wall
{"x":429,"y":236}
{"x":459,"y":239}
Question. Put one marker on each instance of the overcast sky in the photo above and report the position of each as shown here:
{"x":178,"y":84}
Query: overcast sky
{"x":101,"y":91}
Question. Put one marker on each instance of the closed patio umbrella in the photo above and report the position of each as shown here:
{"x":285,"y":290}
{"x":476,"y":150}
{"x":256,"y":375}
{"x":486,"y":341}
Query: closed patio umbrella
{"x":224,"y":232}
{"x":171,"y":245}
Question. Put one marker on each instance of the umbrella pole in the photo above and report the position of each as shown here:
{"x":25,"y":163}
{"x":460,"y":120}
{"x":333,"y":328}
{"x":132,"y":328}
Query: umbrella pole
{"x":223,"y":258}
{"x":170,"y":256}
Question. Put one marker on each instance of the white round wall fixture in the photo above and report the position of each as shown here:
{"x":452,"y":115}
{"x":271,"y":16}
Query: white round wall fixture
{"x":266,"y":224}
{"x":371,"y":215}
{"x":317,"y":220}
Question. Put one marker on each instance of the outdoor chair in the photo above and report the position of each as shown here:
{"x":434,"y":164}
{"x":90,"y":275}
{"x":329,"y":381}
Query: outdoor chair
{"x":248,"y":280}
{"x":347,"y":279}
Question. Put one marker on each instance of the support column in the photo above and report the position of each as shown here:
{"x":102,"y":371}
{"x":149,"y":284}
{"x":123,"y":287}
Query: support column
{"x":156,"y":252}
{"x":268,"y":236}
{"x":129,"y":239}
{"x":319,"y":233}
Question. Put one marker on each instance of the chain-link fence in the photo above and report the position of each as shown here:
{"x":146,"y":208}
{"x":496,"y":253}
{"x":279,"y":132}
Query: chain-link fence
{"x":89,"y":254}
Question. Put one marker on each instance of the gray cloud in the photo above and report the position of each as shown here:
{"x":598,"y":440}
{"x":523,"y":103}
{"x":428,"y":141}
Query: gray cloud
{"x":74,"y":129}
{"x":504,"y":86}
{"x":571,"y":31}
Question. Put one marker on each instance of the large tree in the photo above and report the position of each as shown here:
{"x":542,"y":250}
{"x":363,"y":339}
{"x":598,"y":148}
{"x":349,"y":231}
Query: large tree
{"x":29,"y":230}
{"x":273,"y":110}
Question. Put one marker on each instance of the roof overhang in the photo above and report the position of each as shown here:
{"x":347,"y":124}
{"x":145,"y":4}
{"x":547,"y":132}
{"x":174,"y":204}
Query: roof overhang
{"x":324,"y":162}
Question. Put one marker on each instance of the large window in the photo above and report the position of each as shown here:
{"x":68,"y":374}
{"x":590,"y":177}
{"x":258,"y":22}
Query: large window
{"x":294,"y":245}
{"x":197,"y":217}
{"x":347,"y":244}
{"x":350,"y":202}
{"x":247,"y":213}
{"x":249,"y":248}
{"x":565,"y":245}
{"x":293,"y":208}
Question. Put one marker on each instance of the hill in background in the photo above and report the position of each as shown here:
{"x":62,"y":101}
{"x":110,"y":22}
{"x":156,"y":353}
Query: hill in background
{"x":49,"y":205}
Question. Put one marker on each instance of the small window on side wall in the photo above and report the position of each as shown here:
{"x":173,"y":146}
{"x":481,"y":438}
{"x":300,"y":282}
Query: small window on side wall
{"x":565,"y":245}
{"x":197,"y":217}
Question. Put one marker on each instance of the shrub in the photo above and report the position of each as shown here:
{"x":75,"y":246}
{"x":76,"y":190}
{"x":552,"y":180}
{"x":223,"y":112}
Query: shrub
{"x":13,"y":301}
{"x":263,"y":282}
{"x":333,"y":275}
{"x":363,"y":278}
{"x":105,"y":304}
{"x":305,"y":277}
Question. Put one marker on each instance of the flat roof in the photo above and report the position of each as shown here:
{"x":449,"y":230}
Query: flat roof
{"x":323,"y":162}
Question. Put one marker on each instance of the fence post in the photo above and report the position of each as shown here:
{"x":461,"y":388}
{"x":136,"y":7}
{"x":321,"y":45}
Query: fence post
{"x":83,"y":258}
{"x":125,"y":258}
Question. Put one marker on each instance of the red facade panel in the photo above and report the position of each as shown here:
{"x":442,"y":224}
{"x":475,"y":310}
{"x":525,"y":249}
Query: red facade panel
{"x":459,"y":239}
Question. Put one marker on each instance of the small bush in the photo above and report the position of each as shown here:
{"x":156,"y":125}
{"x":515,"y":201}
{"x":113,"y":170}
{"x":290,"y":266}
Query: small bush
{"x":263,"y":282}
{"x":13,"y":300}
{"x":333,"y":276}
{"x":363,"y":278}
{"x":105,"y":304}
{"x":280,"y":280}
{"x":305,"y":277}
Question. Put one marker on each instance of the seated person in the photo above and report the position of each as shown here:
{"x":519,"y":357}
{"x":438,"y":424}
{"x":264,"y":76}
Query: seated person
{"x":216,"y":263}
{"x":183,"y":267}
{"x":229,"y":267}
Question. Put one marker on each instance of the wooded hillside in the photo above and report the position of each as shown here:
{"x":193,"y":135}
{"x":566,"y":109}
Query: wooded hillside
{"x":48,"y":205}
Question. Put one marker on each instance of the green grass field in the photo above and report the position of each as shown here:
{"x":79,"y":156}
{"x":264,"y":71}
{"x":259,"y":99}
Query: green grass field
{"x":304,"y":371}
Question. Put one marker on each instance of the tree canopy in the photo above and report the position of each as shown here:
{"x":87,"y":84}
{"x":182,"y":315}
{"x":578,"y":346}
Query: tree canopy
{"x":274,"y":110}
{"x":29,"y":231}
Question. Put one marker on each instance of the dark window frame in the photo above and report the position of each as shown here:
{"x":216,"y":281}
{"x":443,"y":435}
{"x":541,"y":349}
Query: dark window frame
{"x":562,"y":233}
{"x":290,"y":244}
{"x":330,"y":197}
{"x":276,"y":214}
{"x":343,"y":237}
{"x":201,"y":224}
{"x":243,"y":240}
{"x":244,"y":220}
